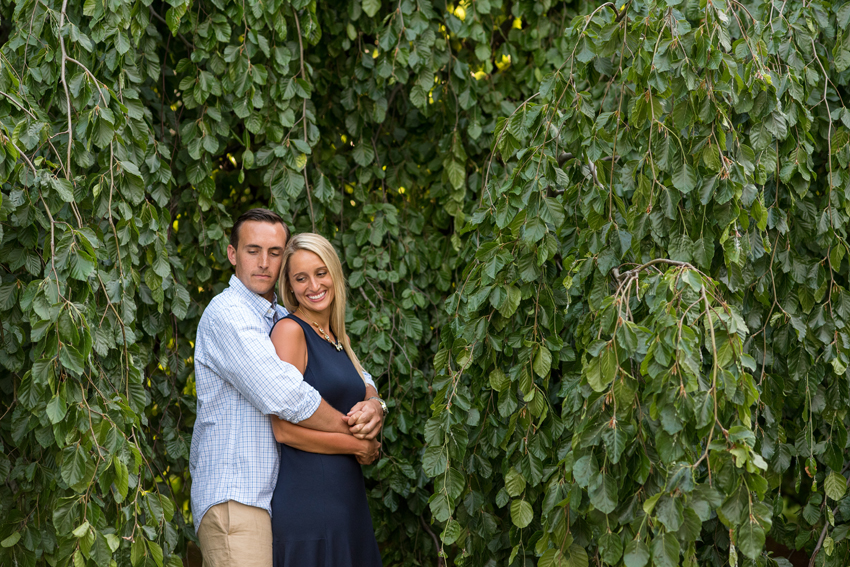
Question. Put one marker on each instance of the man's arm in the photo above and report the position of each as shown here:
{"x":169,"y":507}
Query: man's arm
{"x":241,"y":352}
{"x":327,"y":419}
{"x":290,"y":346}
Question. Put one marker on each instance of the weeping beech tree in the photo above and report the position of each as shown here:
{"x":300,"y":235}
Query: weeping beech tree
{"x":597,"y":265}
{"x":646,"y":356}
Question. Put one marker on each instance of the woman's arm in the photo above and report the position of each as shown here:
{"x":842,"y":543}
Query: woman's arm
{"x":323,"y":442}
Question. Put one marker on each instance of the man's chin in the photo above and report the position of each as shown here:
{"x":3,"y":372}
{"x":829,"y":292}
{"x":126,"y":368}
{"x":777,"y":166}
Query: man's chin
{"x":260,"y":286}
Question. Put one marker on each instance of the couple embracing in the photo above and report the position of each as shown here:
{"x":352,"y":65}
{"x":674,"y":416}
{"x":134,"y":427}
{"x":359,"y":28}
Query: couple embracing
{"x":286,"y":414}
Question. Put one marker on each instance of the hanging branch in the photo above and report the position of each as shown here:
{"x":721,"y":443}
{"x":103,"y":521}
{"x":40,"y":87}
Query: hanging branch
{"x":304,"y":118}
{"x":64,"y":82}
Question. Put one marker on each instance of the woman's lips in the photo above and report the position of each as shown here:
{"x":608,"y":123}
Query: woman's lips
{"x":317,"y":297}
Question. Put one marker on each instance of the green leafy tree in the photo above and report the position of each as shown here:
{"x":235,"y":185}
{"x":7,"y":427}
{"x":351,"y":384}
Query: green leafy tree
{"x":646,"y":356}
{"x":133,"y":132}
{"x":621,"y":302}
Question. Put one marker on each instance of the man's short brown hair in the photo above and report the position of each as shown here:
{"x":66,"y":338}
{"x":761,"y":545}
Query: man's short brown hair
{"x":259,"y":215}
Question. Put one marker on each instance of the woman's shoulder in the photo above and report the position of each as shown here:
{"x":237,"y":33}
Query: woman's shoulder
{"x":288,"y":329}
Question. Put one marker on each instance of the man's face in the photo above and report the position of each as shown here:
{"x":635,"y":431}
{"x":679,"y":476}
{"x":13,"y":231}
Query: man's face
{"x":257,"y":260}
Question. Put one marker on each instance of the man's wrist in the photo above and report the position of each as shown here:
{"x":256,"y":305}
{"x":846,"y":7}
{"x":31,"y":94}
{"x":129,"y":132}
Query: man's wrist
{"x":382,"y":405}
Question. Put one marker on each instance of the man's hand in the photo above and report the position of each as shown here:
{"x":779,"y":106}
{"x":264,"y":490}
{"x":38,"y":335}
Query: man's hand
{"x":369,"y":452}
{"x":365,"y":419}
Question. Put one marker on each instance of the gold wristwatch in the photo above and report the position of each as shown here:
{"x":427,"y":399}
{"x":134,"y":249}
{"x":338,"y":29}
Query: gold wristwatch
{"x":382,"y":402}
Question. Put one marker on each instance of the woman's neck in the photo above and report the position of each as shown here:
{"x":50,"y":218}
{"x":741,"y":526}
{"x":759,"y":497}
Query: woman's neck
{"x":321,"y":318}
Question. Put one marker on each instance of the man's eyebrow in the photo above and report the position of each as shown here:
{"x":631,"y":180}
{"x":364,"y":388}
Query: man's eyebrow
{"x":258,"y":246}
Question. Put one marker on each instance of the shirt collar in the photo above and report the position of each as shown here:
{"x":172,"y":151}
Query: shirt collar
{"x":258,"y":303}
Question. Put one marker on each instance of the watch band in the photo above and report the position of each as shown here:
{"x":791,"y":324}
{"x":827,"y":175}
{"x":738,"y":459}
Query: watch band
{"x":382,"y":402}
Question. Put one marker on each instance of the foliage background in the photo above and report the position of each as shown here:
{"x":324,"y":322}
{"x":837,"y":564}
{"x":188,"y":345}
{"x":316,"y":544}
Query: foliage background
{"x":498,"y":177}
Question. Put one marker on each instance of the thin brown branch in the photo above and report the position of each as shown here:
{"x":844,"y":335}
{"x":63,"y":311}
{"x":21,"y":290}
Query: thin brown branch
{"x":180,"y":35}
{"x":825,"y":529}
{"x":440,"y":561}
{"x":366,"y":297}
{"x":19,"y":105}
{"x":91,"y":76}
{"x":64,"y":82}
{"x":111,"y":222}
{"x":304,"y":119}
{"x":496,"y":145}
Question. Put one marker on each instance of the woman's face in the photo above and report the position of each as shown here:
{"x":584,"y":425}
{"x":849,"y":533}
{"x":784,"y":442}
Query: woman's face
{"x":311,"y":281}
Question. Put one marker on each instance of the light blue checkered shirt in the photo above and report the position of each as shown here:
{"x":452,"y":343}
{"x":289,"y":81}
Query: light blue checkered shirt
{"x":240,"y":382}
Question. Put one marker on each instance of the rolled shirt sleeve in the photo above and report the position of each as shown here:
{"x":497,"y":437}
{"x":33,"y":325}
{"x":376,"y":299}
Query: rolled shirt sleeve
{"x":369,"y":380}
{"x":243,"y":355}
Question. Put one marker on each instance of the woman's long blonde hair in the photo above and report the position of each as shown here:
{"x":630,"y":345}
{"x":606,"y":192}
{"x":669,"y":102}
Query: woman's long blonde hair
{"x":320,"y":246}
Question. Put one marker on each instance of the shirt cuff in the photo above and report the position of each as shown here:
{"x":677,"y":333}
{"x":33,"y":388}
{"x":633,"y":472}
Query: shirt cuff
{"x":369,"y":380}
{"x":311,"y":403}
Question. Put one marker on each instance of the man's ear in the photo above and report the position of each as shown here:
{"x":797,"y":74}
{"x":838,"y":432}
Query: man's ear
{"x":231,"y":254}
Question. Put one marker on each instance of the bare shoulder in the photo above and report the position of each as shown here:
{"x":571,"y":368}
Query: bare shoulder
{"x":288,"y":331}
{"x":290,"y":344}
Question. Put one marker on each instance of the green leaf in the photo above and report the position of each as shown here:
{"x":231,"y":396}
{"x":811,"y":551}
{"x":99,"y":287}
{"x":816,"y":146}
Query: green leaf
{"x":670,"y":512}
{"x":56,"y":409}
{"x":751,"y":539}
{"x":75,"y":466}
{"x":137,"y":551}
{"x":72,"y":359}
{"x":542,"y":361}
{"x":611,"y":548}
{"x":604,"y":498}
{"x":615,"y":440}
{"x":363,"y":154}
{"x":521,"y":513}
{"x":156,"y":553}
{"x":82,"y":530}
{"x":434,"y":461}
{"x":121,"y":479}
{"x":514,"y":483}
{"x":835,"y":486}
{"x":511,"y":302}
{"x":578,"y":556}
{"x":636,"y":554}
{"x":498,"y":380}
{"x":665,"y":551}
{"x":456,"y":173}
{"x":685,"y":178}
{"x":451,"y":532}
{"x":180,"y":303}
{"x":63,"y":188}
{"x":82,"y":265}
{"x":371,"y":7}
{"x":440,"y":507}
{"x":11,"y":540}
{"x":172,"y":18}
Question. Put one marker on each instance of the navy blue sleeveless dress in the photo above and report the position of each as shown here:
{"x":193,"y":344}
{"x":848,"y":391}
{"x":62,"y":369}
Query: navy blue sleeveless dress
{"x":320,"y":516}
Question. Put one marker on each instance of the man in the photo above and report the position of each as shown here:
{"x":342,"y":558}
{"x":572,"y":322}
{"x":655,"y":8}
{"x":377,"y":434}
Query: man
{"x":240,"y":382}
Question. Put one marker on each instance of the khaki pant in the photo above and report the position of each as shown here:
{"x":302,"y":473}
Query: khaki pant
{"x":235,"y":535}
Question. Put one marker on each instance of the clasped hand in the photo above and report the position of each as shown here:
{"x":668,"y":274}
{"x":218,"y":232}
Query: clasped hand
{"x":365,"y":421}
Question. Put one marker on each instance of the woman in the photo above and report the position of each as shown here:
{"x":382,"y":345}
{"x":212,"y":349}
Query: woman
{"x":320,"y":516}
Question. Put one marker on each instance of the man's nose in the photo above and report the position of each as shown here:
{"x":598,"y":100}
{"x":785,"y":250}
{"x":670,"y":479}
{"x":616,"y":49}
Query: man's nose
{"x":264,"y":259}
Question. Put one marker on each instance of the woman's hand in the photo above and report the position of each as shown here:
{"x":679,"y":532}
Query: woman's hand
{"x":368,"y":451}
